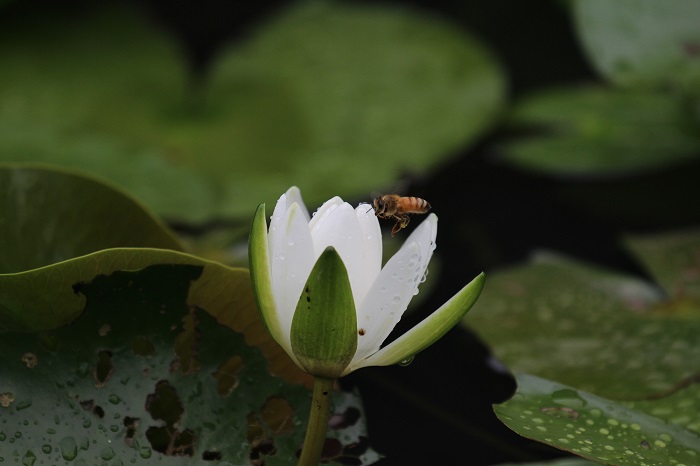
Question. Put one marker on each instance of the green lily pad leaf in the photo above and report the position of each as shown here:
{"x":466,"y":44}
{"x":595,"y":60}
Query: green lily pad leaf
{"x":601,"y":131}
{"x":603,"y":332}
{"x":610,"y":432}
{"x":141,"y":375}
{"x":62,"y":229}
{"x":642,"y":42}
{"x":365,"y":87}
{"x":51,"y":215}
{"x":558,"y":462}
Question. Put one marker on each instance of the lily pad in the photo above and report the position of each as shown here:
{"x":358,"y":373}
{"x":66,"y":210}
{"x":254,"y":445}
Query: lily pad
{"x":50,"y":215}
{"x":610,"y":432}
{"x":558,"y":462}
{"x":600,"y":331}
{"x":142,"y":375}
{"x":588,"y":130}
{"x":643,"y":42}
{"x":365,"y":94}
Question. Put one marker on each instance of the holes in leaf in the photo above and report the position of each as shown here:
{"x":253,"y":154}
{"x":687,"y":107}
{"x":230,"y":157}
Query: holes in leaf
{"x":261,"y":444}
{"x":211,"y":456}
{"x":143,"y":346}
{"x":171,"y":443}
{"x":227,"y":375}
{"x":344,"y":420}
{"x":277,"y":415}
{"x":132,"y":424}
{"x":165,"y":405}
{"x":103,"y":369}
{"x":187,"y":344}
{"x":89,"y":405}
{"x":6,"y":399}
{"x":275,"y":419}
{"x":30,"y":360}
{"x":348,"y":455}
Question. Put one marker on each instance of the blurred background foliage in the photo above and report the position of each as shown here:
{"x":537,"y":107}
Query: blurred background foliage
{"x":565,"y":126}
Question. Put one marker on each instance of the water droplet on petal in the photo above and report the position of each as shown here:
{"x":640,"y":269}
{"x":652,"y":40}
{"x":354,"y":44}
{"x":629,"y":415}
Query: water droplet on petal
{"x":383,"y":289}
{"x":407,"y":361}
{"x":290,"y":242}
{"x":395,"y":299}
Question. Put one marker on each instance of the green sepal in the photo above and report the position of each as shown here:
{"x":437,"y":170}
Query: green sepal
{"x":324,"y":327}
{"x":260,"y":275}
{"x":428,"y":331}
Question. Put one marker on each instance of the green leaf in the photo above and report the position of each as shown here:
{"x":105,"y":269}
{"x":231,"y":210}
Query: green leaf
{"x":611,"y":432}
{"x":430,"y":329}
{"x":259,"y":255}
{"x":366,"y":87}
{"x":324,"y":327}
{"x":643,"y":42}
{"x":50,"y":215}
{"x":559,"y":462}
{"x":53,"y":220}
{"x":603,"y":332}
{"x":144,"y":375}
{"x":601,"y":131}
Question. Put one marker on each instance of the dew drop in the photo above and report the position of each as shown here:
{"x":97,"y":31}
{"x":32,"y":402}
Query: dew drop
{"x":69,"y":449}
{"x":407,"y":361}
{"x":395,"y":299}
{"x":29,"y":458}
{"x":2,"y":436}
{"x":107,"y":454}
{"x":87,"y":423}
{"x":383,"y":289}
{"x":114,"y":399}
{"x":290,"y":242}
{"x":114,"y":428}
{"x":46,"y":449}
{"x":145,"y":452}
{"x":568,"y":397}
{"x":24,"y":404}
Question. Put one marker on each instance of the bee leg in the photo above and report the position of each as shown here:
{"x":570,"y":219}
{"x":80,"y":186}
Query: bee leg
{"x":401,"y":222}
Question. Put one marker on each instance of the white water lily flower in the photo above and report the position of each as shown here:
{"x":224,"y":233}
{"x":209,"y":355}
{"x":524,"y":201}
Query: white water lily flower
{"x":324,"y":295}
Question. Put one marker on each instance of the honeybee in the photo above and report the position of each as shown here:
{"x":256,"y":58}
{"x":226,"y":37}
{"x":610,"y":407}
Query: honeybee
{"x":397,"y":207}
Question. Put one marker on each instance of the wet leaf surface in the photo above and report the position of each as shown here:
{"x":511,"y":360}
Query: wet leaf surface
{"x":610,"y":432}
{"x":600,"y":331}
{"x":90,"y":396}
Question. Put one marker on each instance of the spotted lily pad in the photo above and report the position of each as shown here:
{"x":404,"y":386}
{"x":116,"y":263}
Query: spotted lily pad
{"x":603,"y":332}
{"x":341,"y":99}
{"x":141,"y":375}
{"x":611,"y":432}
{"x":133,"y":354}
{"x":558,"y":462}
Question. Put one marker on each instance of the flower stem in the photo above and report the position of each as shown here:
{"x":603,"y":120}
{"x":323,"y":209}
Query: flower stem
{"x":318,"y":422}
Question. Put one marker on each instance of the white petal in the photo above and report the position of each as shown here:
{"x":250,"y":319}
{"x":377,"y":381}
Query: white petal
{"x":341,"y":229}
{"x":372,"y":235}
{"x":386,"y":301}
{"x":291,"y":262}
{"x":323,"y":211}
{"x":393,"y":289}
{"x":294,"y":195}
